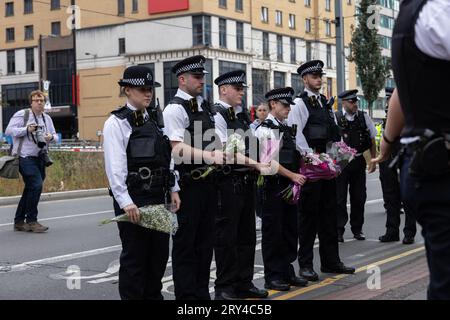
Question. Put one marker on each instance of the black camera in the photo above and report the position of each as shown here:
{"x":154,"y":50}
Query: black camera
{"x":39,"y":136}
{"x":47,"y":160}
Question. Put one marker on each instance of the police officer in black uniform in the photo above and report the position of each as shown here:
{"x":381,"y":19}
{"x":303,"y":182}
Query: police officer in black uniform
{"x":137,"y":162}
{"x":358,"y":132}
{"x":390,"y":185}
{"x":235,"y":240}
{"x":189,"y":124}
{"x":279,"y":218}
{"x":317,"y":208}
{"x":417,"y":112}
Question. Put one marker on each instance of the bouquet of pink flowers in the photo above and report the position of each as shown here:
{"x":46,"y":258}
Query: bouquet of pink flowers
{"x":323,"y":166}
{"x":314,"y":167}
{"x":269,"y":148}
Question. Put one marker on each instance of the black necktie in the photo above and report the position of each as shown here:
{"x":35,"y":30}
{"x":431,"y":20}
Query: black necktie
{"x":194,"y":105}
{"x":232,"y":114}
{"x":139,"y":117}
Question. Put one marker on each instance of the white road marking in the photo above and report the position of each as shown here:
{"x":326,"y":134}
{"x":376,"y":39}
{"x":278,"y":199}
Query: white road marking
{"x":67,"y":217}
{"x":71,"y":256}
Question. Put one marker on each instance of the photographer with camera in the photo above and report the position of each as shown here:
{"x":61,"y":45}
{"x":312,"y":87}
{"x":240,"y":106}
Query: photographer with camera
{"x":35,"y":129}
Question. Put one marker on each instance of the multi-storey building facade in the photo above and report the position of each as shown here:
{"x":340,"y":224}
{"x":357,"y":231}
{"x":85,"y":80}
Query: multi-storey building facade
{"x":268,"y":39}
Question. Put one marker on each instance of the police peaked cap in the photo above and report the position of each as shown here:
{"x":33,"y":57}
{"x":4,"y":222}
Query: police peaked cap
{"x":233,"y":77}
{"x":349,"y":95}
{"x":284,"y":95}
{"x":194,"y":65}
{"x":138,"y":76}
{"x":313,"y":67}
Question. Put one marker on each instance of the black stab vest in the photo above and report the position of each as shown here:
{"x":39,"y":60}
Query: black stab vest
{"x":148,"y":148}
{"x":206,"y":119}
{"x":422,"y":81}
{"x":355,"y":133}
{"x":320,"y":127}
{"x":289,"y":157}
{"x":239,"y":122}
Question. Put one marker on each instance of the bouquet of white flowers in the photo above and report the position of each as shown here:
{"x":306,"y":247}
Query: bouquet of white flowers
{"x":155,"y":217}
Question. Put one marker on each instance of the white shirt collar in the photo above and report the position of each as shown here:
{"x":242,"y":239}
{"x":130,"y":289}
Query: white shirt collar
{"x":310,"y":93}
{"x":275,"y":120}
{"x":349,"y":116}
{"x":237,"y":109}
{"x":186,"y":96}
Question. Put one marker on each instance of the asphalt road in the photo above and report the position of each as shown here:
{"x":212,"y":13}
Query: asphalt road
{"x":78,"y":259}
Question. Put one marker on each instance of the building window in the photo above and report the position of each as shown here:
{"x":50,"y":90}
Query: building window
{"x":56,"y":28}
{"x":266,"y":54}
{"x":279,"y":48}
{"x":239,"y":6}
{"x":328,"y":5}
{"x":201,"y":30}
{"x":307,"y":3}
{"x":386,"y":22}
{"x":29,"y":54}
{"x":260,"y":85}
{"x":29,"y":32}
{"x":122,"y":47}
{"x":134,"y":6}
{"x":239,"y":36}
{"x":292,"y":21}
{"x":279,"y":79}
{"x":308,"y":51}
{"x":265,"y":14}
{"x":120,"y":7}
{"x":9,"y":9}
{"x":385,"y":42}
{"x":297,"y":83}
{"x":329,"y":63}
{"x":308,"y":25}
{"x":10,"y":35}
{"x":222,"y":33}
{"x":278,"y":18}
{"x":329,"y":87}
{"x":55,"y":5}
{"x":15,"y":97}
{"x":59,"y":73}
{"x":11,"y":61}
{"x":293,"y":51}
{"x":222,"y":3}
{"x":28,"y":6}
{"x":328,"y":28}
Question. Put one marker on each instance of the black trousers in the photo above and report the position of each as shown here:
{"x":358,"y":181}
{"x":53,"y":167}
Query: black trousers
{"x":279,"y":233}
{"x":317,"y":216}
{"x":390,"y":184}
{"x":429,"y":201}
{"x":235,"y":241}
{"x":142,"y":262}
{"x":193,"y":243}
{"x":352,"y":180}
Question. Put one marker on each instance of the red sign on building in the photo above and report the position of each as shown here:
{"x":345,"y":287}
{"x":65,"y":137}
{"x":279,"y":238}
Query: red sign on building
{"x":160,"y":6}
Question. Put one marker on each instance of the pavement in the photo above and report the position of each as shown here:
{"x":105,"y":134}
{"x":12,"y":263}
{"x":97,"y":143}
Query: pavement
{"x":79,"y":260}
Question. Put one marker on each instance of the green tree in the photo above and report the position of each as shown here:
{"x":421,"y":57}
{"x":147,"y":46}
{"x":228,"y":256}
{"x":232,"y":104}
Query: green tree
{"x":365,"y":51}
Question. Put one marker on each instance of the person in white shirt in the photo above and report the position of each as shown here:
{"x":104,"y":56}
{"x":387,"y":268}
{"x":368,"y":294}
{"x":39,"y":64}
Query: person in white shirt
{"x":419,"y":116}
{"x":189,"y":124}
{"x":317,"y":127}
{"x":279,"y":218}
{"x":138,"y":167}
{"x":358,"y":132}
{"x":235,"y":241}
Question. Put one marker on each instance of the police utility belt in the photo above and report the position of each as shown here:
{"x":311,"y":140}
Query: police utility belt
{"x":144,"y":178}
{"x":430,"y":155}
